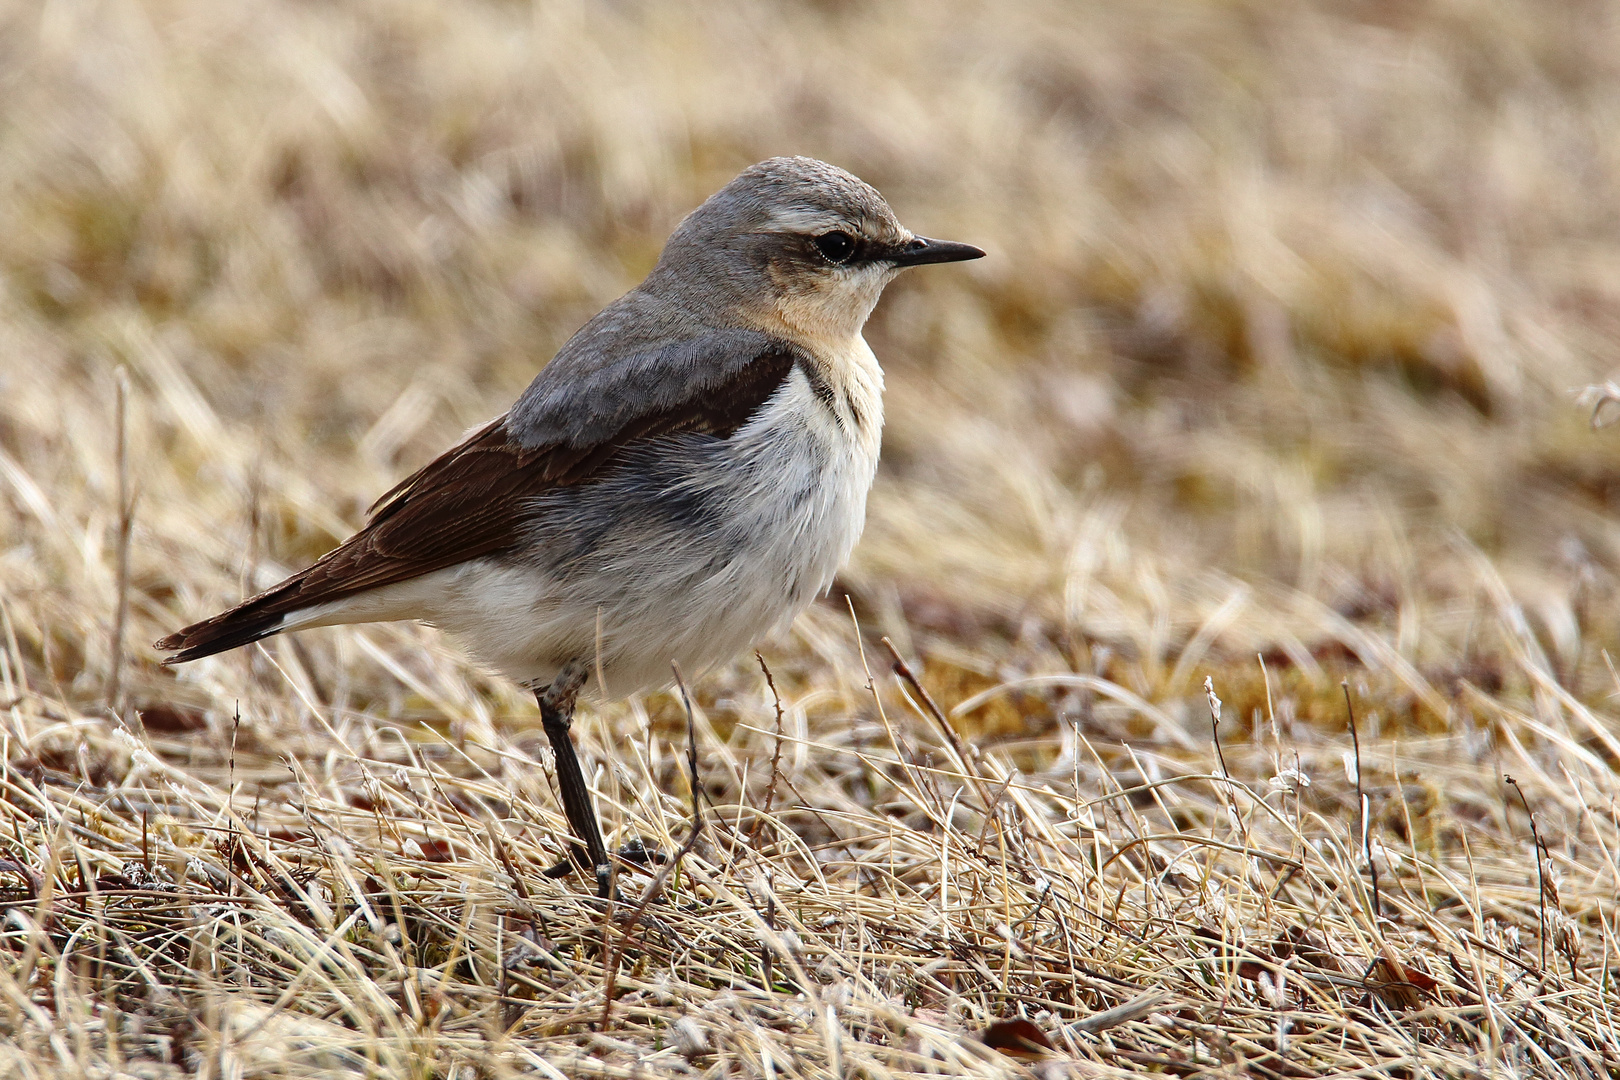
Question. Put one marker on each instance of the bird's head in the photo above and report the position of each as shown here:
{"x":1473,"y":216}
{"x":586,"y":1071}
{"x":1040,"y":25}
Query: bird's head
{"x":797,"y":246}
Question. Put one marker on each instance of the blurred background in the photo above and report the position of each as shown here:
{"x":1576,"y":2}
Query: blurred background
{"x":1277,"y":348}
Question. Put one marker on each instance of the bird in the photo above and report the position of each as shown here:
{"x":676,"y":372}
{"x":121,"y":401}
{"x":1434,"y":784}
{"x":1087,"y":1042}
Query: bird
{"x":685,"y":475}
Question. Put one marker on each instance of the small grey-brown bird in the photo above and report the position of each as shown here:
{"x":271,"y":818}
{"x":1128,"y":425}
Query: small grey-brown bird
{"x":686,"y":475}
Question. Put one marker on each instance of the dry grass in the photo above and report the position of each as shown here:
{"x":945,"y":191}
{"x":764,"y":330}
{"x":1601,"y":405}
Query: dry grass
{"x":1275,"y":354}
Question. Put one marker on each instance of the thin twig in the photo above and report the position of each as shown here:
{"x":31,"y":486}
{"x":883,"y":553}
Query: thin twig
{"x":766,"y":960}
{"x":776,"y":751}
{"x":1215,"y":723}
{"x":1541,"y":884}
{"x":126,"y":526}
{"x":1361,"y":800}
{"x":1220,"y":755}
{"x":903,"y":669}
{"x":657,"y":884}
{"x":511,"y":869}
{"x":236,"y":842}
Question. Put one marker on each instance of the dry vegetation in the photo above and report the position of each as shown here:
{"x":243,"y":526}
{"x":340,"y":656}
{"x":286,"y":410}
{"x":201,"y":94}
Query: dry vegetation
{"x":1269,"y":378}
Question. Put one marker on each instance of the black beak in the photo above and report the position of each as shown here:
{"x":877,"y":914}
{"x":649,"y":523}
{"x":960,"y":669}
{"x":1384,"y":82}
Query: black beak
{"x":921,"y":251}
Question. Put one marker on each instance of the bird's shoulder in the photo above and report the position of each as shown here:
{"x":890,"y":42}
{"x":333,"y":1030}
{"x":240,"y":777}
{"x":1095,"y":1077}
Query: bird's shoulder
{"x":644,"y":359}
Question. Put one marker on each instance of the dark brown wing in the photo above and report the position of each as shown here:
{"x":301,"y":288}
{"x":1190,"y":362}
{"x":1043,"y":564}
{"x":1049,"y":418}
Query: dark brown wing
{"x":467,"y":503}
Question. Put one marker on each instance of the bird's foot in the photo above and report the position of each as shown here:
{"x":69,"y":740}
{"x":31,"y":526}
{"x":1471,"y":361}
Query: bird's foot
{"x":636,"y":852}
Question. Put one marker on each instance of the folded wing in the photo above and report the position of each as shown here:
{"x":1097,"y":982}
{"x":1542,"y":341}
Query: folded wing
{"x":468,"y":503}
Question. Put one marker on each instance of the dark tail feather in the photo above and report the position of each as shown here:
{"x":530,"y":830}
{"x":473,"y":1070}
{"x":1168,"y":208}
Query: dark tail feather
{"x":229,"y":630}
{"x":247,"y":622}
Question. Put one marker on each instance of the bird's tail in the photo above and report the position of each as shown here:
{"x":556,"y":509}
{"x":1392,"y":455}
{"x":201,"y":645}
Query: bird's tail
{"x":247,"y":622}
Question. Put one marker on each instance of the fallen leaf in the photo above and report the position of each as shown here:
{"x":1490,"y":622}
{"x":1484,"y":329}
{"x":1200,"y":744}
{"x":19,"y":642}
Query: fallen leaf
{"x":1017,"y":1038}
{"x":170,"y":718}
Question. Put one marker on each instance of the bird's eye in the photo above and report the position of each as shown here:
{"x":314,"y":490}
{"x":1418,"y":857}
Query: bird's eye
{"x":836,"y":247}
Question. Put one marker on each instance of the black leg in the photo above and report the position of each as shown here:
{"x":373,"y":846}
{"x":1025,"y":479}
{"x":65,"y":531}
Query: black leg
{"x":557,"y":716}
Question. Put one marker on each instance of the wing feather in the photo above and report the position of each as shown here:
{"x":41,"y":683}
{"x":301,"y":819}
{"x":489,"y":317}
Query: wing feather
{"x":468,"y":502}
